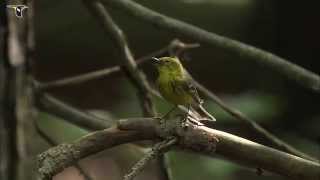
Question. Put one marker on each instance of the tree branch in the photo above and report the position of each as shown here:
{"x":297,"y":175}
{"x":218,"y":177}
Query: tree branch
{"x":79,"y":78}
{"x":289,"y":70}
{"x":71,"y":114}
{"x":57,"y":158}
{"x":173,"y":45}
{"x":117,"y":36}
{"x":50,"y":104}
{"x":7,"y":123}
{"x":52,"y":142}
{"x":199,"y":139}
{"x":278,"y":143}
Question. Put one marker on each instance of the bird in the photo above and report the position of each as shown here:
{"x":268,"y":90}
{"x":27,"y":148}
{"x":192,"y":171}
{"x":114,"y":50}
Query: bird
{"x":18,"y":9}
{"x":175,"y":85}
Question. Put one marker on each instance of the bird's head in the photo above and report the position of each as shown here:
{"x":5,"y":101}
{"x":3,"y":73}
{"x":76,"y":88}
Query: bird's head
{"x":170,"y":65}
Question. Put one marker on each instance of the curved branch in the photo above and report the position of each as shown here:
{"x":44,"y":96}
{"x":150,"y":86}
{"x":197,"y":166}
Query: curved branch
{"x":199,"y":139}
{"x":289,"y":70}
{"x":52,"y":142}
{"x":57,"y":158}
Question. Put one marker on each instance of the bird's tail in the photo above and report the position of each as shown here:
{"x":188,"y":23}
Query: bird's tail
{"x":203,"y":113}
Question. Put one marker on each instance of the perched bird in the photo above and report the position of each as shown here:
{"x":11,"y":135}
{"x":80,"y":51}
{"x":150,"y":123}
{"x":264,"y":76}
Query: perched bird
{"x":175,"y":86}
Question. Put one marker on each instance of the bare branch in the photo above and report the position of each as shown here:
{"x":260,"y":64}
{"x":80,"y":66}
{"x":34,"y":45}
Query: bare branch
{"x":117,"y":36}
{"x":57,"y":158}
{"x":71,"y":114}
{"x":278,"y":143}
{"x":52,"y":142}
{"x":80,"y":78}
{"x":289,"y":70}
{"x":199,"y":139}
{"x":53,"y":105}
{"x":174,"y":45}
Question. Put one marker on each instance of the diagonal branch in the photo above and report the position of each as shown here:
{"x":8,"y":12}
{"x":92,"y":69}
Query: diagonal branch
{"x":289,"y":70}
{"x":117,"y":36}
{"x":79,"y":78}
{"x":80,"y":118}
{"x":174,"y":45}
{"x":278,"y":143}
{"x":202,"y":140}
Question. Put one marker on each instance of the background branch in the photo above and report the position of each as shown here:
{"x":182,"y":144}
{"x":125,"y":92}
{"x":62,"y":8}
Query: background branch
{"x":7,"y":125}
{"x":175,"y":44}
{"x":276,"y":142}
{"x":79,"y":78}
{"x":80,"y":118}
{"x":289,"y":70}
{"x":117,"y":36}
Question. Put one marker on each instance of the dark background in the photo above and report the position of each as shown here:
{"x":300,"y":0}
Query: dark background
{"x":70,"y":42}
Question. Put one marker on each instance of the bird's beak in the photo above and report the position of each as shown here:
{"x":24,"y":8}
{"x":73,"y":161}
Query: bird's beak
{"x":155,"y":60}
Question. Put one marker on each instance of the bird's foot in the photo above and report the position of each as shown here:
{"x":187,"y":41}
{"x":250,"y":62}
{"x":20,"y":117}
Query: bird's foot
{"x":186,"y":120}
{"x":195,"y":121}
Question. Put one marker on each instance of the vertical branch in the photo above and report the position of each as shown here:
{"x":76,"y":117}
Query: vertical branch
{"x":127,"y":60}
{"x":7,"y":120}
{"x":20,"y":91}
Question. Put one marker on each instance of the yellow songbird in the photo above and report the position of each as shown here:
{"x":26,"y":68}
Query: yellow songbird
{"x":175,"y":86}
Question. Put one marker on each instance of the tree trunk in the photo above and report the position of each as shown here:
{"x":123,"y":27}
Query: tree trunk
{"x":7,"y":118}
{"x":17,"y":112}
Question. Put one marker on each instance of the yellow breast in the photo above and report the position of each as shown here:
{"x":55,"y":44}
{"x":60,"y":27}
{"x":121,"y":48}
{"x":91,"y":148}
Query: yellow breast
{"x":170,"y":93}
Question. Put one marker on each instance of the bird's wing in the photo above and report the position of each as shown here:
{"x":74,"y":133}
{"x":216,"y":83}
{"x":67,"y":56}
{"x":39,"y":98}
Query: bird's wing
{"x":185,"y":85}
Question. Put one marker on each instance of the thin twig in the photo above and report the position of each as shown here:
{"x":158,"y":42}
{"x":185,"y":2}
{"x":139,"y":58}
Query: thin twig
{"x":52,"y":142}
{"x":289,"y":70}
{"x":173,"y":45}
{"x":80,"y":78}
{"x":157,"y":150}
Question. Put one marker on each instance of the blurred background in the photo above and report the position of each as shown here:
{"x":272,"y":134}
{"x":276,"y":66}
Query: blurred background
{"x":70,"y":42}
